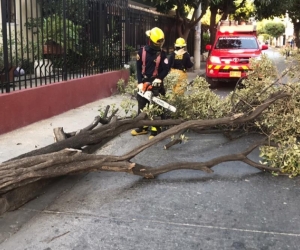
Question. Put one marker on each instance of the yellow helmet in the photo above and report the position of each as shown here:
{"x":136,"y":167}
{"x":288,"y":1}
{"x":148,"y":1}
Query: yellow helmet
{"x":157,"y":38}
{"x":180,"y":42}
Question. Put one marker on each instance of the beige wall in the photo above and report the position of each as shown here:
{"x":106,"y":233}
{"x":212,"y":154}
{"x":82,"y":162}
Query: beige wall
{"x":19,"y":26}
{"x":21,"y":15}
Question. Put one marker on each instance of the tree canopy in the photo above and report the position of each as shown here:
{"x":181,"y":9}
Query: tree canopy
{"x":270,"y":9}
{"x":274,"y":29}
{"x":240,"y":9}
{"x":245,"y":12}
{"x":221,"y":9}
{"x":183,"y":9}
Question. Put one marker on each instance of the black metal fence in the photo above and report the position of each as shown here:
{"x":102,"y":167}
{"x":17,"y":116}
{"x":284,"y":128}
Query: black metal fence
{"x":46,"y":41}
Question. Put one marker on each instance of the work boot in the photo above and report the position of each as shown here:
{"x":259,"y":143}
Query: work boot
{"x":154,"y":132}
{"x":139,"y":131}
{"x":151,"y":136}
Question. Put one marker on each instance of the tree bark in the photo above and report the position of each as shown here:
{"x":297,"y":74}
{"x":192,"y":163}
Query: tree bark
{"x":212,"y":24}
{"x":296,"y":32}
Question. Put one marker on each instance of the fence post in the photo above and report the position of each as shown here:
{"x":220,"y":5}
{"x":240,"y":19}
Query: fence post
{"x":65,"y":75}
{"x":5,"y":50}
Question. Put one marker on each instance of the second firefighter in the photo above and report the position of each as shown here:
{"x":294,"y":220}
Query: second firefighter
{"x":180,"y":61}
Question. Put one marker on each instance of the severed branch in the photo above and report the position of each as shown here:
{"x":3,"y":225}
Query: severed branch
{"x":234,"y":106}
{"x":177,"y":140}
{"x":60,"y":135}
{"x":233,"y":120}
{"x":173,"y":142}
{"x":18,"y":173}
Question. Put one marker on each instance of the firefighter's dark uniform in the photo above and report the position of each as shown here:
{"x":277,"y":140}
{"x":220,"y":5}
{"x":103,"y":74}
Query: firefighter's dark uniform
{"x":146,"y":73}
{"x":152,"y":67}
{"x":150,"y":64}
{"x":180,"y":61}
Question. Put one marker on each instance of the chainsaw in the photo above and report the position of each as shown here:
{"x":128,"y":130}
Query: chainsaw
{"x":149,"y":96}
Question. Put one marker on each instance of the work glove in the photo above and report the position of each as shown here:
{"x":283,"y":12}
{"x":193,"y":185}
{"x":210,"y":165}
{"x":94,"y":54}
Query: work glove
{"x":156,"y":82}
{"x":140,"y":87}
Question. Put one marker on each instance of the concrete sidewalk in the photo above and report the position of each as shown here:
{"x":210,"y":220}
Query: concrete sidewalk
{"x":237,"y":207}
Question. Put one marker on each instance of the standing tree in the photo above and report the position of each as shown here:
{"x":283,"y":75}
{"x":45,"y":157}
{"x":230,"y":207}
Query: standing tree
{"x":267,"y":9}
{"x":294,"y":15}
{"x":244,"y":12}
{"x":223,"y":8}
{"x":183,"y":9}
{"x":274,"y":29}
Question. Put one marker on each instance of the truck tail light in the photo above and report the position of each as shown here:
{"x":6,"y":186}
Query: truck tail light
{"x":215,"y":59}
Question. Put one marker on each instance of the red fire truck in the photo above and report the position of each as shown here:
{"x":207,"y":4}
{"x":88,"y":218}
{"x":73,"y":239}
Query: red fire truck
{"x":228,"y":58}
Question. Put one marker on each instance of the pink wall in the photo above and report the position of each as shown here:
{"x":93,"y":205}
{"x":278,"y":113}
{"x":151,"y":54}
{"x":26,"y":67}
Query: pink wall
{"x":20,"y":108}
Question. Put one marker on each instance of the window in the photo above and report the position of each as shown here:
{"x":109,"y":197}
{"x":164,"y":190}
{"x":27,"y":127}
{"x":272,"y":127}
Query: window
{"x":236,"y":42}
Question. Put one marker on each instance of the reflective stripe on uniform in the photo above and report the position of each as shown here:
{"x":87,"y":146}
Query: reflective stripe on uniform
{"x":157,"y":62}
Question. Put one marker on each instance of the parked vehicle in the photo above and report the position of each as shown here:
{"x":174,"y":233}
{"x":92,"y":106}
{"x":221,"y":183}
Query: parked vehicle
{"x":229,"y":56}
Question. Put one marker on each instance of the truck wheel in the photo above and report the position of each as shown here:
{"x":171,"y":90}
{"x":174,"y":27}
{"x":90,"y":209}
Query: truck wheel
{"x":212,"y":84}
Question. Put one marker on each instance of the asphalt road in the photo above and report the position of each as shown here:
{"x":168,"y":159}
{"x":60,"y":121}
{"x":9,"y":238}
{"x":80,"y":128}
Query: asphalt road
{"x":236,"y":207}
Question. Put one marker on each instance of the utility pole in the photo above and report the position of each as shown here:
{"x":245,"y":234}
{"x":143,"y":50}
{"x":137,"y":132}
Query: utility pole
{"x":197,"y":41}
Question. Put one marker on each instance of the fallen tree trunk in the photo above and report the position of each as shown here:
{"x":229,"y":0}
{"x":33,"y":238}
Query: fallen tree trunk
{"x":65,"y":157}
{"x":70,"y":161}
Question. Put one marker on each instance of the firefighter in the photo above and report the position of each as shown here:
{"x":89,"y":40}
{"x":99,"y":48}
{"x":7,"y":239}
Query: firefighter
{"x":180,"y":61}
{"x":152,"y":67}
